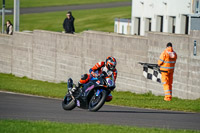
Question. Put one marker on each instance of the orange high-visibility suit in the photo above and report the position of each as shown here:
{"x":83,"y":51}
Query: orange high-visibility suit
{"x":167,"y":63}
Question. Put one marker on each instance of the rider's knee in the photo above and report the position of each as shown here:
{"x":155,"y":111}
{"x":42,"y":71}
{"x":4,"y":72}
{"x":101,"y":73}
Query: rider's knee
{"x":84,"y":78}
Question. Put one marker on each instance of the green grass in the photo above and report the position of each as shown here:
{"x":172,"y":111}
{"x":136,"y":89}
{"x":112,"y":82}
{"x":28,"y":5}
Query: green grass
{"x":17,"y":126}
{"x":43,"y":3}
{"x":94,"y":19}
{"x":24,"y":85}
{"x":9,"y":82}
{"x":149,"y":100}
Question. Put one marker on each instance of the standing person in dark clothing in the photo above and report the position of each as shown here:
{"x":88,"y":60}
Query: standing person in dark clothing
{"x":68,"y":23}
{"x":9,"y":28}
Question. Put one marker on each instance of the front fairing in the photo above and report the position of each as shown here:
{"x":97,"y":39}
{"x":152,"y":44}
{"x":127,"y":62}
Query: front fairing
{"x":88,"y":90}
{"x":94,"y":87}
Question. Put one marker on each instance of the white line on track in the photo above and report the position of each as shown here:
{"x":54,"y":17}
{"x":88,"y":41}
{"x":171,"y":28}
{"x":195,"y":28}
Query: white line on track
{"x":23,"y":94}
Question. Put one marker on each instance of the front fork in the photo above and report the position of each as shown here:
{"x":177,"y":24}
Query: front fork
{"x":98,"y":92}
{"x":70,"y":86}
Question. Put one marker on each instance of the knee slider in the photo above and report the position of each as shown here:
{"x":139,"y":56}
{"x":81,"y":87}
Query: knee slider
{"x":84,"y":77}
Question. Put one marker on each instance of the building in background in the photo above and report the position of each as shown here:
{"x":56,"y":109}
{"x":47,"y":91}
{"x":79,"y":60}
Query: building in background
{"x":171,"y":16}
{"x":122,"y":26}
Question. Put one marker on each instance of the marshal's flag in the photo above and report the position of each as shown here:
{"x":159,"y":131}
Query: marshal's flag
{"x":151,"y":71}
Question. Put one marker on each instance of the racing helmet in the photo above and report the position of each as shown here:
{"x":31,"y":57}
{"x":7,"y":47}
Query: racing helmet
{"x":111,"y":63}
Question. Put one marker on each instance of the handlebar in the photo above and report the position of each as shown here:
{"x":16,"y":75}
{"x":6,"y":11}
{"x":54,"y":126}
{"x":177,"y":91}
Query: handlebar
{"x":102,"y":78}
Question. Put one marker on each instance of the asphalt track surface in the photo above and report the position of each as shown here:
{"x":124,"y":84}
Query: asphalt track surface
{"x":71,"y":7}
{"x":25,"y":107}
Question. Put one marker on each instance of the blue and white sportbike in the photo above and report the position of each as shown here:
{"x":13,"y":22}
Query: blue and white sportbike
{"x":91,"y":96}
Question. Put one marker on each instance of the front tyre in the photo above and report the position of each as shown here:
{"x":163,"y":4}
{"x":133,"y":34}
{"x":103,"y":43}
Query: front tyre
{"x":97,"y":102}
{"x":68,"y":103}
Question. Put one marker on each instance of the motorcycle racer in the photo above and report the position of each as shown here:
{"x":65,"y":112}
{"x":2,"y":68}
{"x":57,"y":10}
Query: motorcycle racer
{"x":108,"y":67}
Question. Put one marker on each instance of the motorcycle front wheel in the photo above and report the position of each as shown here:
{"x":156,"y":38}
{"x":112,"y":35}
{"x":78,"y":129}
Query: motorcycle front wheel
{"x":68,"y":103}
{"x":97,"y":102}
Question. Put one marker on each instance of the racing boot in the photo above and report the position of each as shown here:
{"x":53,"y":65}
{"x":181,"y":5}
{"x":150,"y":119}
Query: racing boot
{"x":168,"y":98}
{"x":109,"y":98}
{"x":76,"y":87}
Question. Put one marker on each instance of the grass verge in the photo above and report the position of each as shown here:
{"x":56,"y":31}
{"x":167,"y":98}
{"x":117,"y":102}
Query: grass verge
{"x":18,"y":126}
{"x":44,"y":3}
{"x":94,"y":19}
{"x":12,"y":83}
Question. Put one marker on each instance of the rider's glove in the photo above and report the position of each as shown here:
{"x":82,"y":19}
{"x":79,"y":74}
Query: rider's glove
{"x":93,"y":74}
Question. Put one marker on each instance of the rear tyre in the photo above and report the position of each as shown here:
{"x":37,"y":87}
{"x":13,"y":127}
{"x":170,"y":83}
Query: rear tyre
{"x":68,"y":103}
{"x":97,"y":102}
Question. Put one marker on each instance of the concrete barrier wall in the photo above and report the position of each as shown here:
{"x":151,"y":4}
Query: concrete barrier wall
{"x":5,"y":54}
{"x":55,"y":57}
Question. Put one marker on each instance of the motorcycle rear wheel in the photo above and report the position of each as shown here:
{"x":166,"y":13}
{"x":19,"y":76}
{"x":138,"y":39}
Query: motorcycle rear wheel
{"x":68,"y":103}
{"x":97,"y":102}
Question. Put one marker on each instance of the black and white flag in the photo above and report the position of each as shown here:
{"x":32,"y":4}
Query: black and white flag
{"x":151,"y":71}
